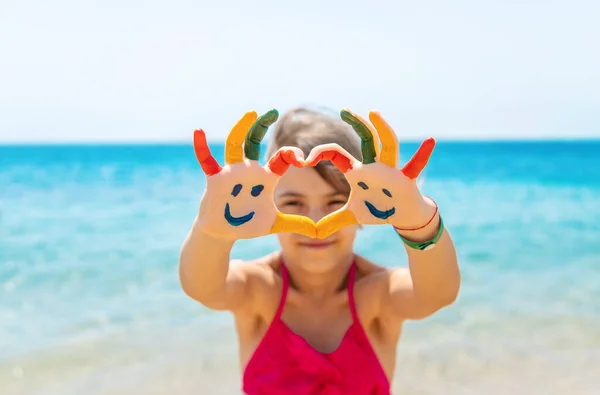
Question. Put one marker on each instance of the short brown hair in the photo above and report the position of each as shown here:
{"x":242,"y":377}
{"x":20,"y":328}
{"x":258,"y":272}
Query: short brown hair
{"x":306,"y":129}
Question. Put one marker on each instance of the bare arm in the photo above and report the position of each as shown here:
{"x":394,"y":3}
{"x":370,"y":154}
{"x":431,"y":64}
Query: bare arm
{"x":206,"y":274}
{"x":432,"y":281}
{"x":205,"y":271}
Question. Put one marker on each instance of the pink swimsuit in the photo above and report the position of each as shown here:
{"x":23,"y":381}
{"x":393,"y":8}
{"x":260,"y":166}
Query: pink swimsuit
{"x":285,"y":364}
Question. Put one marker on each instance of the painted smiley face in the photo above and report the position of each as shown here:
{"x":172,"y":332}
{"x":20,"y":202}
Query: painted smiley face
{"x":374,"y":210}
{"x":238,"y":221}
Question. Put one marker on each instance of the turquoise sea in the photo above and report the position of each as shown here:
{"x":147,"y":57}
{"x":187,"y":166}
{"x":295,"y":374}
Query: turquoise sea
{"x":90,"y":301}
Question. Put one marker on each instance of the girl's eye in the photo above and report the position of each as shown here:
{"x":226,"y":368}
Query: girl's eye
{"x":291,"y":203}
{"x":337,"y":203}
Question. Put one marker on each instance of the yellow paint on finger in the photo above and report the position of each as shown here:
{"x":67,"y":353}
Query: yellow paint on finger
{"x":389,"y":140}
{"x":235,"y":140}
{"x":288,"y":223}
{"x":334,"y":222}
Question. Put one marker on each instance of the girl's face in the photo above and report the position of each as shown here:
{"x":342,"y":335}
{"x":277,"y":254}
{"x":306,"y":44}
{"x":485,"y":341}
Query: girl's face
{"x":302,"y":191}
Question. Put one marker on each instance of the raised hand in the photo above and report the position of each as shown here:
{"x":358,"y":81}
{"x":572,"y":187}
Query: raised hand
{"x":380,"y":192}
{"x":238,"y":200}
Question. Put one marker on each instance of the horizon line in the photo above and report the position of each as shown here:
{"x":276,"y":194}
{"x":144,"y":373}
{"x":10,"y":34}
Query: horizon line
{"x":222,"y":142}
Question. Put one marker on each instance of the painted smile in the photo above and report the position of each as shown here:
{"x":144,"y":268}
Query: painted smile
{"x":378,"y":213}
{"x":237,"y":221}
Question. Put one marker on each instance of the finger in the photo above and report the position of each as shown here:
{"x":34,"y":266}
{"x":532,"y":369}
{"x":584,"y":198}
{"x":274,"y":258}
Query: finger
{"x":209,"y":164}
{"x":417,"y":163}
{"x":376,"y":137}
{"x":389,"y":140}
{"x":334,"y":222}
{"x":233,"y":146}
{"x":294,"y":224}
{"x":283,"y":158}
{"x":369,"y":153}
{"x":257,"y":133}
{"x":340,"y":158}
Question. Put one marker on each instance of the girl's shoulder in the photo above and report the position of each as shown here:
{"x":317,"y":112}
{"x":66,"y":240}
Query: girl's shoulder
{"x":373,"y":279}
{"x":368,"y":270}
{"x":263,"y":279}
{"x":262,"y":275}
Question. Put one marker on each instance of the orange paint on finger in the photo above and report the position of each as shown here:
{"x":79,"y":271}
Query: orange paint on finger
{"x":340,"y":161}
{"x":281,"y":161}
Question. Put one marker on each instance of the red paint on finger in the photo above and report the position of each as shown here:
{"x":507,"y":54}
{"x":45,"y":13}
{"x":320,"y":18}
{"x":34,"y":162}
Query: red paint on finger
{"x":417,"y":163}
{"x":209,"y":164}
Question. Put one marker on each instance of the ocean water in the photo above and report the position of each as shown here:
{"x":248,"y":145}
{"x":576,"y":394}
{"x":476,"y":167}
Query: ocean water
{"x":90,"y":301}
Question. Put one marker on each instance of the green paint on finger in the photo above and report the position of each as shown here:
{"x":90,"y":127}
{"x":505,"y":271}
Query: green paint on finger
{"x":367,"y":144}
{"x":257,"y":133}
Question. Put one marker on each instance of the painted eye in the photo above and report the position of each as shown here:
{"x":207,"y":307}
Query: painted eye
{"x":236,"y":190}
{"x":363,"y":185}
{"x":388,"y":193}
{"x":256,"y":190}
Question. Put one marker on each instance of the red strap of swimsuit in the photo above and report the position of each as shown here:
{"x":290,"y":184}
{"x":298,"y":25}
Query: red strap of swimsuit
{"x":351,"y":279}
{"x":284,"y":291}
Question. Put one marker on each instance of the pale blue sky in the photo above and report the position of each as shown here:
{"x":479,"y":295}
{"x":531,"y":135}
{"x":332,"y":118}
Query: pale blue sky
{"x":155,"y":70}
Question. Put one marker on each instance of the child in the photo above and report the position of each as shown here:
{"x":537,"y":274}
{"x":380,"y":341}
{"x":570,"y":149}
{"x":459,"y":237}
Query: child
{"x":315,"y":317}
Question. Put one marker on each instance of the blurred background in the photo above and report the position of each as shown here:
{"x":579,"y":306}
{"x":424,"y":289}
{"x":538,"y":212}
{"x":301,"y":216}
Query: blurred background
{"x":99,"y":184}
